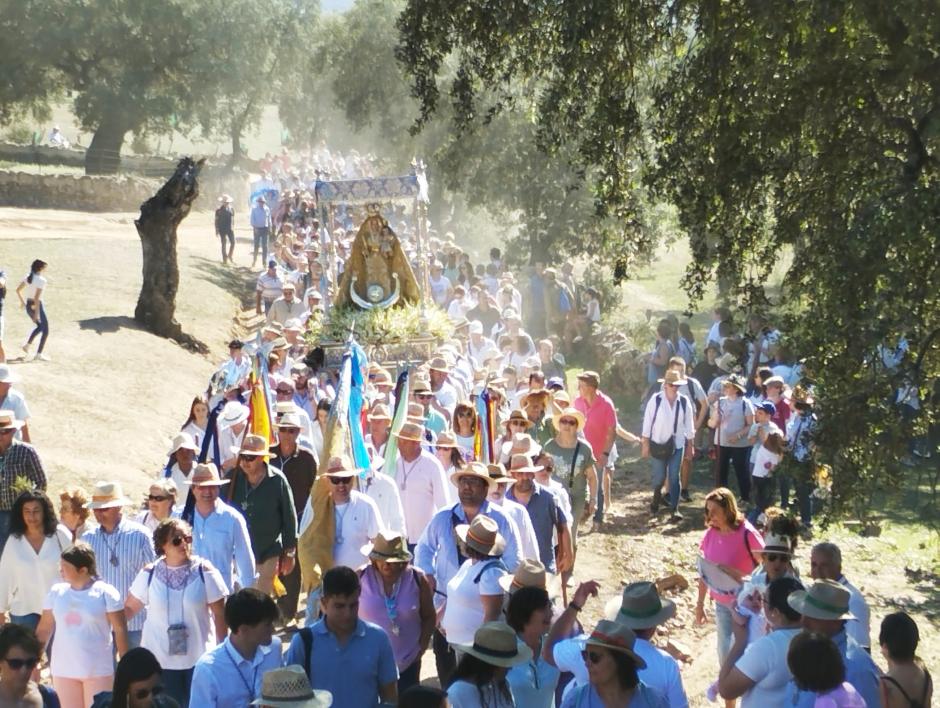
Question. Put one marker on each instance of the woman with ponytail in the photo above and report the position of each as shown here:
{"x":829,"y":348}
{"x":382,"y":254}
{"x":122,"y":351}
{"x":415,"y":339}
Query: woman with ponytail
{"x":34,"y":286}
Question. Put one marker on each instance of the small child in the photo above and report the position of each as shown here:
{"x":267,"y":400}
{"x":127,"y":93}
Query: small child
{"x":765,"y":462}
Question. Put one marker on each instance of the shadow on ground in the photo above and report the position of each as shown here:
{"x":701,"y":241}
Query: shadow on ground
{"x":109,"y":324}
{"x":239,"y":281}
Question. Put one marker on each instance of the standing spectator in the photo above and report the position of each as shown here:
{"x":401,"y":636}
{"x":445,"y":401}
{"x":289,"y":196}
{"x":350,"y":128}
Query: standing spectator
{"x":480,"y":677}
{"x":122,"y":546}
{"x":826,"y":564}
{"x":825,"y":609}
{"x":73,"y":512}
{"x":343,"y":654}
{"x":398,"y":598}
{"x":13,"y":400}
{"x":224,"y":227}
{"x":268,"y":288}
{"x":819,"y":673}
{"x":34,"y":287}
{"x":29,"y":566}
{"x":83,"y":612}
{"x":231,"y":673}
{"x":20,"y":652}
{"x":668,"y":438}
{"x":600,"y":430}
{"x":798,"y":466}
{"x":263,"y":496}
{"x":220,"y":534}
{"x":261,"y":224}
{"x":184,"y":596}
{"x":420,"y":477}
{"x":20,"y":468}
{"x":731,"y":417}
{"x":907,"y":675}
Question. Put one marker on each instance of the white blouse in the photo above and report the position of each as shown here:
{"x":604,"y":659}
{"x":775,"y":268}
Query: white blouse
{"x":26,"y":576}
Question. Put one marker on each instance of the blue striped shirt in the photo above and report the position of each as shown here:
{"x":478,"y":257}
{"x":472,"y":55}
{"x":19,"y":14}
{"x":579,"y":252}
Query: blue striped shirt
{"x":132,"y":545}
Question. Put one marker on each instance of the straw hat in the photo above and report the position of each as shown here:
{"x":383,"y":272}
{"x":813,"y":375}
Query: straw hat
{"x":737,"y":381}
{"x":337,"y":467}
{"x":639,"y":607}
{"x":568,"y":413}
{"x":382,"y":378}
{"x":520,"y":464}
{"x":206,"y":474}
{"x":498,"y":473}
{"x":411,"y":431}
{"x":290,"y":688}
{"x":825,"y":600}
{"x":289,"y":420}
{"x":7,"y":375}
{"x":560,"y":401}
{"x":447,"y":439}
{"x":674,"y":378}
{"x":544,"y":394}
{"x":519,"y":415}
{"x":496,"y":644}
{"x":380,"y":412}
{"x":421,"y":386}
{"x":8,"y":421}
{"x":776,"y":544}
{"x":387,"y":546}
{"x":474,"y":469}
{"x":438,"y":363}
{"x":107,"y":495}
{"x":529,"y":573}
{"x":482,"y":535}
{"x":234,"y":413}
{"x":521,"y":444}
{"x":255,"y":445}
{"x":183,"y":441}
{"x":615,"y":637}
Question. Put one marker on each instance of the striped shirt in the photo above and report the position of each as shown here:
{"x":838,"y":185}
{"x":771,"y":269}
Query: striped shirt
{"x":131,"y":545}
{"x":20,"y":460}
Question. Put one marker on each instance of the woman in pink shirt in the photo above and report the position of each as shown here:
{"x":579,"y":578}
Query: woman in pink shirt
{"x":731,"y":543}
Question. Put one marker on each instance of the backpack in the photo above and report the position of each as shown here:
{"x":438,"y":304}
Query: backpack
{"x":664,"y":451}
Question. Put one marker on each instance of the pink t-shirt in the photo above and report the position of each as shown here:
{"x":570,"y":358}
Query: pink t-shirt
{"x":730,"y":549}
{"x":600,"y":418}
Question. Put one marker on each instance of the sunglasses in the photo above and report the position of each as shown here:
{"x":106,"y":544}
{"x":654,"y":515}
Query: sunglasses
{"x":142,"y":694}
{"x":567,"y":421}
{"x":340,"y":480}
{"x":591,"y":656}
{"x":774,"y":557}
{"x":518,"y":422}
{"x":290,"y":431}
{"x":20,"y":664}
{"x":283,"y":391}
{"x":424,"y":395}
{"x":156,"y":498}
{"x":180,"y":540}
{"x":7,"y":431}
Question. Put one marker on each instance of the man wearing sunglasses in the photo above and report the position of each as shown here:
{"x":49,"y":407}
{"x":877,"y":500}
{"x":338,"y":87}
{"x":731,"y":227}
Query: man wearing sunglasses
{"x":19,"y":655}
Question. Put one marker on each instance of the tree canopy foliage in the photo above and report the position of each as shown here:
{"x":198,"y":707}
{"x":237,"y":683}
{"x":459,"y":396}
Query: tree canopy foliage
{"x":806,"y":127}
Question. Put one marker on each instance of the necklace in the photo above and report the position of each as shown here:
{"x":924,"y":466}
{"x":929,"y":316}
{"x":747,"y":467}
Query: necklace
{"x":391,"y":605}
{"x":112,"y":550}
{"x":340,"y":516}
{"x":406,"y":474}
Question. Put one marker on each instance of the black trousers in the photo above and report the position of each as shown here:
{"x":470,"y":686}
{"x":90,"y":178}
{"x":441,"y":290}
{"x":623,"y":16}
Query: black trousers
{"x":444,"y":658}
{"x":736,"y":457}
{"x":287,"y":604}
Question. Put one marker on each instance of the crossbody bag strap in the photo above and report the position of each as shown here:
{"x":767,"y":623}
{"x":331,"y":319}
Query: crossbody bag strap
{"x":574,"y":460}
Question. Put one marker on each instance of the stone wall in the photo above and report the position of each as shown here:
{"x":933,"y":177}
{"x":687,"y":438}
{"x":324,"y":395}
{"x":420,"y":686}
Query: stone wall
{"x":119,"y":193}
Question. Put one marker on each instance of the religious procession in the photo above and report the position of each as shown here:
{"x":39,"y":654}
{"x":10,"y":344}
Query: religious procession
{"x":351,"y":519}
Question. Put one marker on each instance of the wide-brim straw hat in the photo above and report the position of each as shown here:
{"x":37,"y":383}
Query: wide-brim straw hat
{"x":421,"y":386}
{"x":518,"y":415}
{"x":255,"y":445}
{"x":107,"y":495}
{"x":446,"y":439}
{"x":290,"y":688}
{"x":530,"y":573}
{"x":439,"y":363}
{"x":569,"y":412}
{"x":776,"y":544}
{"x":496,"y":644}
{"x":523,"y":463}
{"x":182,"y":441}
{"x":206,"y":474}
{"x":673,"y":377}
{"x":498,"y":473}
{"x":639,"y":607}
{"x":474,"y":469}
{"x":542,"y":394}
{"x":387,"y":546}
{"x":411,"y":431}
{"x":615,"y":637}
{"x":289,"y":420}
{"x":521,"y":444}
{"x":825,"y":600}
{"x":482,"y":535}
{"x":337,"y":467}
{"x":380,"y":412}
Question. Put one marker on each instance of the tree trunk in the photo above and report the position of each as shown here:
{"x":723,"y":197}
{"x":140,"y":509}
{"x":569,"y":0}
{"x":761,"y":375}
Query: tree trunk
{"x":159,"y":217}
{"x":237,"y":153}
{"x":103,"y":156}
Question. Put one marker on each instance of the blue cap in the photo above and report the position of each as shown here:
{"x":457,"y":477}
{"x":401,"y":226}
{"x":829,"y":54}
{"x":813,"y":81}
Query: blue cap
{"x":768,"y":407}
{"x":555,"y":381}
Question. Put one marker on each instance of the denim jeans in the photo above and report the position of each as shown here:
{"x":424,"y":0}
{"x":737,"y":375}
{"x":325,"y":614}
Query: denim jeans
{"x":42,"y":327}
{"x":599,"y":510}
{"x":177,"y":683}
{"x":4,"y":528}
{"x":30,"y":620}
{"x":670,"y":467}
{"x":723,"y":628}
{"x":261,"y":243}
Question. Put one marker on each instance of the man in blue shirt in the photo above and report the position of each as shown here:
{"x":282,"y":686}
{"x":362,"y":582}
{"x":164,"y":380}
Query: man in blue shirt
{"x":230,"y":674}
{"x":825,"y":609}
{"x":342,"y":654}
{"x":439,"y":557}
{"x":260,"y":218}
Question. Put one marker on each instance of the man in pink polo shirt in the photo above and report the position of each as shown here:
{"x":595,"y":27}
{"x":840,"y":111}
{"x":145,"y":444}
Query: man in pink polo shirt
{"x":600,"y":430}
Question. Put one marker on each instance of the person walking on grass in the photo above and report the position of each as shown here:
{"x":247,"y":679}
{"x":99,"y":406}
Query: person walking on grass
{"x":30,"y":292}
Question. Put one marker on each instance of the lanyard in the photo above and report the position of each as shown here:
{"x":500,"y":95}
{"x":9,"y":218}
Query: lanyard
{"x":254,"y":674}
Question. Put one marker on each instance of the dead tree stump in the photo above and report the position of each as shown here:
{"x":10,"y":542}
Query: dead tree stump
{"x":159,"y":218}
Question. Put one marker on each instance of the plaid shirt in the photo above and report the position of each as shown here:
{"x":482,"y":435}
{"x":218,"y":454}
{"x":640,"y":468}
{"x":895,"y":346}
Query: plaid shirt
{"x":20,"y":460}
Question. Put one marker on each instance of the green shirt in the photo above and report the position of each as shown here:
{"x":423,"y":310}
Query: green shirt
{"x":577,"y":485}
{"x":268,"y":509}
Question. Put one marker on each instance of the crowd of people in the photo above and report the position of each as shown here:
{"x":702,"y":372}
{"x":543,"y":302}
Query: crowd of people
{"x":445,"y":545}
